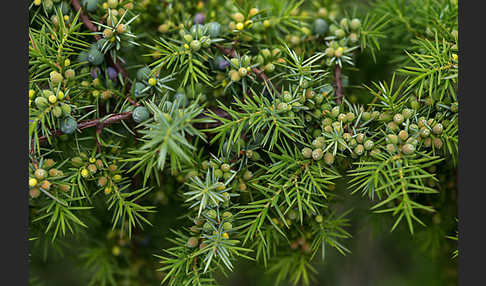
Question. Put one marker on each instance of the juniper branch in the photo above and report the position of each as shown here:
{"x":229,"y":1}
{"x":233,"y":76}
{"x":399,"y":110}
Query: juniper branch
{"x":339,"y":84}
{"x":87,"y":22}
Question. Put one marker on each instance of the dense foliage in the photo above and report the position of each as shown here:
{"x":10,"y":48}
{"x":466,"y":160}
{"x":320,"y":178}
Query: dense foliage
{"x":247,"y":128}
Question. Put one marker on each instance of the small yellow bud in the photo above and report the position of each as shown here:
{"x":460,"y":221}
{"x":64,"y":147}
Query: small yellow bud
{"x":117,"y":178}
{"x":253,"y":12}
{"x":238,"y":17}
{"x":105,"y":5}
{"x":92,"y":160}
{"x":240,"y":26}
{"x":454,"y":57}
{"x":339,"y":52}
{"x":52,"y":99}
{"x":164,"y":28}
{"x":121,"y":28}
{"x":107,"y":33}
{"x":66,"y":18}
{"x":67,"y":62}
{"x":32,"y":182}
{"x":31,"y":93}
{"x":116,"y":250}
{"x":84,"y":173}
{"x":60,"y":95}
{"x":37,"y":2}
{"x":152,"y":81}
{"x":107,"y":190}
{"x":225,"y":235}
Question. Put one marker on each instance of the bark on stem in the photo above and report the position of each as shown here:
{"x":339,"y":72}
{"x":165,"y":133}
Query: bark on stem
{"x":339,"y":84}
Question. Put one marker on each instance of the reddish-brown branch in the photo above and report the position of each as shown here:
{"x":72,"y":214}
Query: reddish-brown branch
{"x":84,"y":18}
{"x":339,"y":84}
{"x":117,"y":118}
{"x":91,"y":123}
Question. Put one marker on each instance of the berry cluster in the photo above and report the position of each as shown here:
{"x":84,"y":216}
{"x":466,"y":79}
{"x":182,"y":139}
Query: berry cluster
{"x":47,"y":178}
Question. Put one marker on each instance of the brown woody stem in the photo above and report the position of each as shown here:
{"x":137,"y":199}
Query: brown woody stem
{"x":339,"y":84}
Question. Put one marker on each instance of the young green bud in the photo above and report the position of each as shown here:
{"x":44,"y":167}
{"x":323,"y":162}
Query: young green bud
{"x":438,"y":143}
{"x":192,"y":242}
{"x":317,"y":154}
{"x":195,"y":45}
{"x":41,"y":102}
{"x":102,"y":181}
{"x":40,"y":174}
{"x":329,"y":158}
{"x":350,"y":117}
{"x":56,"y":77}
{"x":359,"y":149}
{"x":319,"y":142}
{"x":225,"y":167}
{"x":424,"y":132}
{"x":391,"y":148}
{"x":366,"y":116}
{"x":437,"y":129}
{"x":398,"y":118}
{"x":247,"y":175}
{"x":212,"y":214}
{"x":403,"y":135}
{"x":392,"y":126}
{"x":408,"y":149}
{"x":392,"y":138}
{"x":227,"y":226}
{"x":227,"y":214}
{"x":307,"y":152}
{"x":368,"y":145}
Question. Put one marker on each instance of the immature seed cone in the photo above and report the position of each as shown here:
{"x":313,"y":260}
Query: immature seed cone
{"x":207,"y":227}
{"x":64,"y":187}
{"x":102,"y":181}
{"x":359,"y":150}
{"x":329,"y":158}
{"x":46,"y":185}
{"x":192,"y":242}
{"x":391,"y":148}
{"x":247,"y":175}
{"x":317,"y":154}
{"x":120,"y":29}
{"x":49,"y":163}
{"x":438,"y":143}
{"x":242,"y":187}
{"x":408,"y":149}
{"x":225,"y":167}
{"x":92,"y":168}
{"x":40,"y":174}
{"x":368,"y":145}
{"x":437,"y":129}
{"x":53,"y":172}
{"x":227,"y":226}
{"x":403,"y":135}
{"x":34,"y":193}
